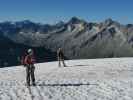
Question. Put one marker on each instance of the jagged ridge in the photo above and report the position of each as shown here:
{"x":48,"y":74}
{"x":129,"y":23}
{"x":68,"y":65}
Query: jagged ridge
{"x":78,"y":38}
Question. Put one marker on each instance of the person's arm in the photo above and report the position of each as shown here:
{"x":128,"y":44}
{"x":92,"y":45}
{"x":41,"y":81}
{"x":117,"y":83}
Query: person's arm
{"x":33,"y":60}
{"x":58,"y":55}
{"x":26,"y":60}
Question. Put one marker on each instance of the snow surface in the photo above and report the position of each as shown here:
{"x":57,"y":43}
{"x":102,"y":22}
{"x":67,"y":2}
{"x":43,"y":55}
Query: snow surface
{"x":92,"y":79}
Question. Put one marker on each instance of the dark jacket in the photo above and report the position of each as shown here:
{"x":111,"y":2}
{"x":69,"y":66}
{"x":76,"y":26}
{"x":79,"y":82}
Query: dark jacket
{"x":60,"y":54}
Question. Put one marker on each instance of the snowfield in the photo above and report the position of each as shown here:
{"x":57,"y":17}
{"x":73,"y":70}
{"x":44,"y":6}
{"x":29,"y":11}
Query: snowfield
{"x":92,"y":79}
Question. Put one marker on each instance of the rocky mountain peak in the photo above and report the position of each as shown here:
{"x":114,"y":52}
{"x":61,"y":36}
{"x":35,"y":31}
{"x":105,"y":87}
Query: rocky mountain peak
{"x":75,"y":20}
{"x":108,"y":22}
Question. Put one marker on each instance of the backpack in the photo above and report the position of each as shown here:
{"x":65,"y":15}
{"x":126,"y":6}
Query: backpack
{"x":23,"y":59}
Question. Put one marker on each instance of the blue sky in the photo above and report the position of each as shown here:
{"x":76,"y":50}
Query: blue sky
{"x":52,"y":11}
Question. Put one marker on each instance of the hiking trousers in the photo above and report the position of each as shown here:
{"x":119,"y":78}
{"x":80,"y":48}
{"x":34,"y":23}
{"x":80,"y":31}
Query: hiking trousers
{"x":60,"y":59}
{"x":30,"y":74}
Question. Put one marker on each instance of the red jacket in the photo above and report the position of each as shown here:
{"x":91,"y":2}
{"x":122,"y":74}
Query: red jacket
{"x":29,"y":60}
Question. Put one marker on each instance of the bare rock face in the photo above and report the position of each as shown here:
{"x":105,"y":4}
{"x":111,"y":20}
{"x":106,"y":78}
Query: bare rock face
{"x":78,"y":38}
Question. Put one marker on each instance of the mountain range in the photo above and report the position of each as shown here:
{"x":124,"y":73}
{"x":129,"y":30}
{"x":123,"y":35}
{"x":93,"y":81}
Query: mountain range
{"x":78,"y":38}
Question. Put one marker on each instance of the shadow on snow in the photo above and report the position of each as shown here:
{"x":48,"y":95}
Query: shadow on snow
{"x":65,"y":84}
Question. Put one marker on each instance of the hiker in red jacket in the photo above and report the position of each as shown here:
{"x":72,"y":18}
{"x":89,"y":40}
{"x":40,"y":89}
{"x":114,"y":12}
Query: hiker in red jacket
{"x":30,"y":68}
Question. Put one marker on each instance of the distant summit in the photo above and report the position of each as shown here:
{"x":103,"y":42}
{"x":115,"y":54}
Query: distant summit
{"x":75,"y":20}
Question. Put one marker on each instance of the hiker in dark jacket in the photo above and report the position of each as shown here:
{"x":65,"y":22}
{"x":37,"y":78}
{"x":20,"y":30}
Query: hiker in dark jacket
{"x":60,"y":56}
{"x":30,"y":68}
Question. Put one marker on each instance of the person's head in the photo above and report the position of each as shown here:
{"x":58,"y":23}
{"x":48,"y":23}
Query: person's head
{"x":60,"y":49}
{"x":30,"y":51}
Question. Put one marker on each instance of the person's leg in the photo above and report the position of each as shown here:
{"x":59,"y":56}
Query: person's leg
{"x":59,"y":62}
{"x":32,"y":74}
{"x":63,"y":63}
{"x":28,"y":75}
